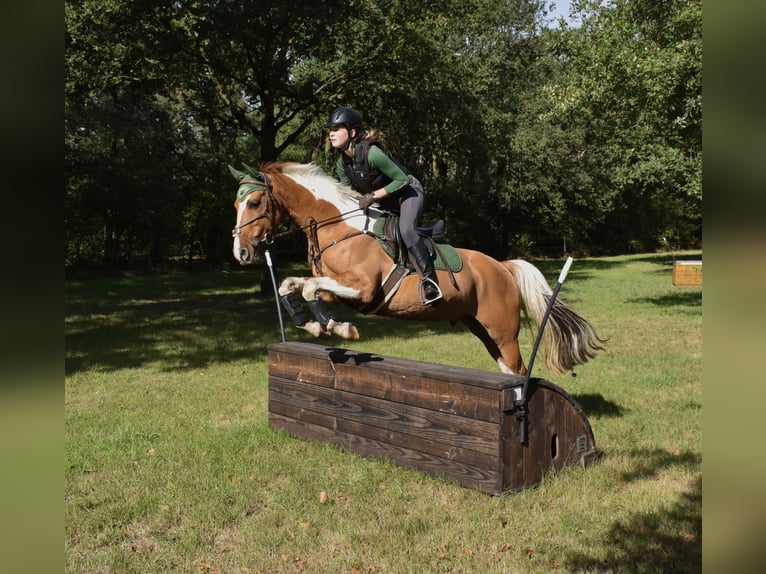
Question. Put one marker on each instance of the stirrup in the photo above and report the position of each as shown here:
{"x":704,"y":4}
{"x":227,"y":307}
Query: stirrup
{"x":421,"y":291}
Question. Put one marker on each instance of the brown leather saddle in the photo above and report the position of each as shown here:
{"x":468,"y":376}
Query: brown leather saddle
{"x":391,"y":236}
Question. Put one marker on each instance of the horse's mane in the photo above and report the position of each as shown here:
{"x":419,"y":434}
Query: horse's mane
{"x":311,"y":172}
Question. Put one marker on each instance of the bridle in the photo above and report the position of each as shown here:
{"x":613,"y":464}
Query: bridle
{"x":316,"y":251}
{"x":242,"y":195}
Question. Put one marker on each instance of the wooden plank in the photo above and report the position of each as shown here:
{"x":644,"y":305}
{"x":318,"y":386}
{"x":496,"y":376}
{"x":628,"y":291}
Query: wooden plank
{"x":471,"y":434}
{"x":447,"y":451}
{"x":466,"y":475}
{"x":420,"y":389}
{"x":301,"y":414}
{"x":411,"y":368}
{"x":317,"y":370}
{"x":512,"y":455}
{"x":535,"y":454}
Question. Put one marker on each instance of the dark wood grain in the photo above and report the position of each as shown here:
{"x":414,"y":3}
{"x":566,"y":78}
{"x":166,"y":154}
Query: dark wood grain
{"x":446,"y":421}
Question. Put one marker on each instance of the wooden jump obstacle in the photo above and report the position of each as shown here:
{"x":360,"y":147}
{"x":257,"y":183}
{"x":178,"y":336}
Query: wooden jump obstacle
{"x":446,"y":421}
{"x":687,"y":273}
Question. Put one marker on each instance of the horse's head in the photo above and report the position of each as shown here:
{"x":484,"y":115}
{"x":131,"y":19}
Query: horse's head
{"x":257,"y":214}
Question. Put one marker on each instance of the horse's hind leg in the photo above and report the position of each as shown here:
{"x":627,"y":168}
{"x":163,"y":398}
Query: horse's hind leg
{"x":506,"y":354}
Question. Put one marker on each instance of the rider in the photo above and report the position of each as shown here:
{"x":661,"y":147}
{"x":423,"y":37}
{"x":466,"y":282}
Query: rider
{"x":365,"y":165}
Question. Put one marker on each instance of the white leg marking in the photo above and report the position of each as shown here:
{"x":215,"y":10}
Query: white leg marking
{"x":315,"y":284}
{"x":291,"y":284}
{"x":505,"y":369}
{"x":308,"y":289}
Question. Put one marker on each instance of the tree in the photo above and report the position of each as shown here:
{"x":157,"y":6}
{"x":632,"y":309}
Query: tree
{"x":623,"y":125}
{"x":527,"y":140}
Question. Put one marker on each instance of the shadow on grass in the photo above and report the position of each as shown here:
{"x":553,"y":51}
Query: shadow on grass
{"x":679,"y":299}
{"x":667,"y":541}
{"x":596,"y":405}
{"x":191,"y":321}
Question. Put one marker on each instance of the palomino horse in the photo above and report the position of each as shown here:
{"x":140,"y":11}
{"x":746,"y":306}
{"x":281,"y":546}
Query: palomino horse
{"x":349,"y":265}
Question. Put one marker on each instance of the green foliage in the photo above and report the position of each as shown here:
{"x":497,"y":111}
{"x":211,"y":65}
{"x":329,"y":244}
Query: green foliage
{"x":611,"y":143}
{"x":526,"y":138}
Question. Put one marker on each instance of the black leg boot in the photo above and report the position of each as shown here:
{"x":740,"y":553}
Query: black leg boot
{"x":428,"y":291}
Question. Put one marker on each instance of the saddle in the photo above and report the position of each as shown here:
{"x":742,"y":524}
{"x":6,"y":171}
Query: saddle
{"x":386,"y":232}
{"x":390,"y":236}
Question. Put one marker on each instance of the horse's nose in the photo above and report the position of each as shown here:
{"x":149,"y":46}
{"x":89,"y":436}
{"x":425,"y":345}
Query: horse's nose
{"x":244,"y":255}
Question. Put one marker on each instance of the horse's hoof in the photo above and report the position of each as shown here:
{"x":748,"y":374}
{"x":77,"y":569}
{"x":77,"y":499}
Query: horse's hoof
{"x":353,"y":333}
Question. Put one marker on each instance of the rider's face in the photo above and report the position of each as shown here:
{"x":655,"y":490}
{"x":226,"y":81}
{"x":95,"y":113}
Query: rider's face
{"x":338,"y":136}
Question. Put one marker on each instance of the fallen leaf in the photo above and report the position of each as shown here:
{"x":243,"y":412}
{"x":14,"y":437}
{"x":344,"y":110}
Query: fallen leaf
{"x":323,"y":498}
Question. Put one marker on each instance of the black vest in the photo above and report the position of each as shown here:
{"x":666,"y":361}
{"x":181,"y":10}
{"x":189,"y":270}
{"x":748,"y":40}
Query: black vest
{"x":363,"y":178}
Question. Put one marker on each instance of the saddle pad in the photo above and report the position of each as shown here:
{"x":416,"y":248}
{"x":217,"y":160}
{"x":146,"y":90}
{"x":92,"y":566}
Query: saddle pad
{"x":451,"y":255}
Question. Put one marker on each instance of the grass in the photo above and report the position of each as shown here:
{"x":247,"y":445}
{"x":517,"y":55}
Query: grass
{"x":170,"y":465}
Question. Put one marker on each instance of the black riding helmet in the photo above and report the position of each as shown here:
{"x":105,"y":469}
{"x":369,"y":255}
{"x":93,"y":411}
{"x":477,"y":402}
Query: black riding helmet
{"x":345,"y":116}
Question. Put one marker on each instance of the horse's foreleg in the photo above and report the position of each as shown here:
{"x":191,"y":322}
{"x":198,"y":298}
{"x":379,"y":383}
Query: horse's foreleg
{"x":292,"y":300}
{"x":321,"y":309}
{"x":325,"y":323}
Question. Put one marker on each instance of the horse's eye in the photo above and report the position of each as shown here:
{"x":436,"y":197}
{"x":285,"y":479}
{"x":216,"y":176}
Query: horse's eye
{"x":255,"y":204}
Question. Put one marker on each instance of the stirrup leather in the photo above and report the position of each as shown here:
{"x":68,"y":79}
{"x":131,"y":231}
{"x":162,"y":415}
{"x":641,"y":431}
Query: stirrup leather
{"x":422,"y":289}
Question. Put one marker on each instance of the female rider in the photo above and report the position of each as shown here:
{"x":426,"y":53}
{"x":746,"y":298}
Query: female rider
{"x":365,"y":165}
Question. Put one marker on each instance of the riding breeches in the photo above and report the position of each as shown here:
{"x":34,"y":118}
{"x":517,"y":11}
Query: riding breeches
{"x":411,"y":200}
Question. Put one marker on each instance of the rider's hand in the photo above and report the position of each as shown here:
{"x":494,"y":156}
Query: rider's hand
{"x":365,"y":201}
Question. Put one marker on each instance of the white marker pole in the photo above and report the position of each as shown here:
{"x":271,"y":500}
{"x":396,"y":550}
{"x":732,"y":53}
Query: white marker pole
{"x":522,"y":402}
{"x":276,"y":294}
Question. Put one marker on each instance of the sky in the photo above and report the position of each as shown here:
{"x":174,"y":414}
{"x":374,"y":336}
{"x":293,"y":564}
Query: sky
{"x":562,"y":9}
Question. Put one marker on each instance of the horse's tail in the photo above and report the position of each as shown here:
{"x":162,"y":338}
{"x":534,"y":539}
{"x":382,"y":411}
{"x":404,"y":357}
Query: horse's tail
{"x":568,"y":339}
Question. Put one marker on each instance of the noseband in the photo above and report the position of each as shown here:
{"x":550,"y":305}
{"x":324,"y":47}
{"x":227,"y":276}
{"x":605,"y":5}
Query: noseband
{"x":242,"y":195}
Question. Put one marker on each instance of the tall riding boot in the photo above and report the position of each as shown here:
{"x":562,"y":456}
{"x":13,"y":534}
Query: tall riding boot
{"x":428,"y":291}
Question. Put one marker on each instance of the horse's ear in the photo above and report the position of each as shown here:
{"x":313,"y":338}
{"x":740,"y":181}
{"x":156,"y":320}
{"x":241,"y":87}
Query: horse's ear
{"x":251,"y":170}
{"x":238,"y":175}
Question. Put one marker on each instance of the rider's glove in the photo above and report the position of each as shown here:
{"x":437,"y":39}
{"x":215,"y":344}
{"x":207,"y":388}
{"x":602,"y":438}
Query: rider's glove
{"x":365,"y":201}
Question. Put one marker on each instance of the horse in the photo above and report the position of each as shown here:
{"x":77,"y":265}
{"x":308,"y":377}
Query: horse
{"x":349,"y":265}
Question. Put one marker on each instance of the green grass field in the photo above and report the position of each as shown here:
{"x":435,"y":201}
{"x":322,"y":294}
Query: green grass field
{"x":170,"y":465}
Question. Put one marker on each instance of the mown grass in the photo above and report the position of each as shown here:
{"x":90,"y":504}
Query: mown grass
{"x":171,"y":465}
